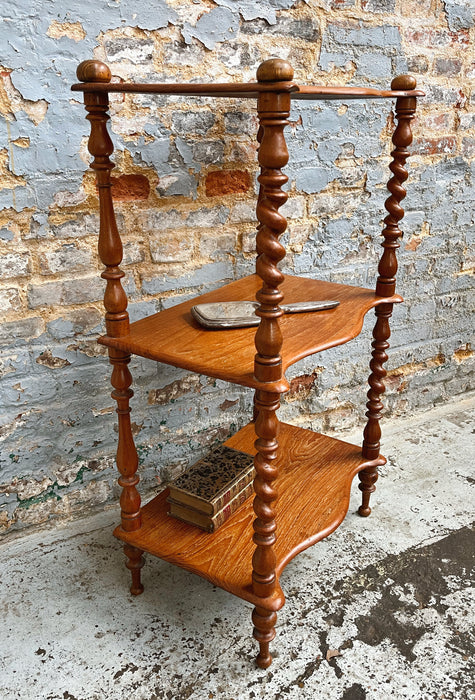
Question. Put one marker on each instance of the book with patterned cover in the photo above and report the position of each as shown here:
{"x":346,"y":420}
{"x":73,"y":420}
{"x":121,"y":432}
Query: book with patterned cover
{"x":210,"y":523}
{"x":214,"y":480}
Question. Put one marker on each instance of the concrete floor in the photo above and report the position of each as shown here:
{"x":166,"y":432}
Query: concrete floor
{"x":391,"y":594}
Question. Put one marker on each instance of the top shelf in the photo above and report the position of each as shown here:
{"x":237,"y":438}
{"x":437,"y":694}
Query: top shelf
{"x":248,"y":90}
{"x":333,"y":92}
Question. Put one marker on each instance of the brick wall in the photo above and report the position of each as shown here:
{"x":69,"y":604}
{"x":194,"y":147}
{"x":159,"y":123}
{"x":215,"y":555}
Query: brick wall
{"x":185,"y":191}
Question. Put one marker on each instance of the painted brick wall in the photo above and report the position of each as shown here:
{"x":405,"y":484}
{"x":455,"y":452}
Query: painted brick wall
{"x":185,"y":188}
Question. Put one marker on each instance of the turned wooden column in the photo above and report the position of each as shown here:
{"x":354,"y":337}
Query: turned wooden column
{"x":115,"y":302}
{"x":386,"y":284}
{"x":273,"y":110}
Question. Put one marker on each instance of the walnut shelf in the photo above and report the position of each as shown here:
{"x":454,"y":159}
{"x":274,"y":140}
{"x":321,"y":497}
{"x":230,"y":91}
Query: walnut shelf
{"x":174,"y":337}
{"x":305,"y":515}
{"x":303,"y":479}
{"x":247,"y":90}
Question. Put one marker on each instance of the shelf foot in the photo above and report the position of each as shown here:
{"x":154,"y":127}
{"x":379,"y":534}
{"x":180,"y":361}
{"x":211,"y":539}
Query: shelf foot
{"x":368,"y":478}
{"x":134,"y":563}
{"x":264,"y":632}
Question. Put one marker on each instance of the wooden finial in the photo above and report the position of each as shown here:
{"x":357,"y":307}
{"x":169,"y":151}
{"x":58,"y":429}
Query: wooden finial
{"x":403,"y":82}
{"x":93,"y":72}
{"x":275,"y":69}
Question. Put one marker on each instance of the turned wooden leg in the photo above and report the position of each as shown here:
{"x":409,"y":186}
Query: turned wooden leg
{"x":273,"y":113}
{"x":264,"y":632}
{"x":127,"y":463}
{"x":372,"y":431}
{"x":135,"y":561}
{"x":368,"y":478}
{"x":264,"y":561}
{"x":386,"y":283}
{"x":127,"y":458}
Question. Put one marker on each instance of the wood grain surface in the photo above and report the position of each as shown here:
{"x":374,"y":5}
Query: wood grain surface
{"x":315,"y":474}
{"x":324,"y":92}
{"x":241,"y":90}
{"x":174,"y":337}
{"x":246,"y":90}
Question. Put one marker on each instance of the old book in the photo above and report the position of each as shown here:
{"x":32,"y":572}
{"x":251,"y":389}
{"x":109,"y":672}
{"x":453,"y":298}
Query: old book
{"x":210,"y":523}
{"x":214,"y":480}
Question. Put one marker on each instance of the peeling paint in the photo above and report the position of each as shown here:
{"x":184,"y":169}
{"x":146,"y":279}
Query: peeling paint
{"x":72,"y":30}
{"x":217,"y":25}
{"x":47,"y":359}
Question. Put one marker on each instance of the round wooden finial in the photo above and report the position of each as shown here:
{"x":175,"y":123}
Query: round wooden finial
{"x":403,"y":82}
{"x":93,"y":72}
{"x":273,"y":70}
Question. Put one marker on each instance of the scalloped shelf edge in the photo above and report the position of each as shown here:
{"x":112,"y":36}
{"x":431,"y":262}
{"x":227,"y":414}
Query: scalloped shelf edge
{"x":325,"y":465}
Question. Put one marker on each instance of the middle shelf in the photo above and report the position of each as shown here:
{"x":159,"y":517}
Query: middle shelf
{"x":172,"y":336}
{"x":313,"y":485}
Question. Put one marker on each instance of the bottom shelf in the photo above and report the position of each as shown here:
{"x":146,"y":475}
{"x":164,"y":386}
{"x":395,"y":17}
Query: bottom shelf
{"x":315,"y":475}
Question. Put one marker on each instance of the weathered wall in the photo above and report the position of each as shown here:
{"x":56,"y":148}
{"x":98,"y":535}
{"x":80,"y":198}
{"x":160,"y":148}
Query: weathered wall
{"x":186,"y":229}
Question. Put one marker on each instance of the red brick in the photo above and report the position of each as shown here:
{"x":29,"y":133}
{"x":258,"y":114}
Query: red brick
{"x":438,"y":121}
{"x":300,"y":387}
{"x":460,"y":38}
{"x":342,"y":4}
{"x":428,"y":146}
{"x":437,"y":38}
{"x":129,"y":187}
{"x":221,"y":182}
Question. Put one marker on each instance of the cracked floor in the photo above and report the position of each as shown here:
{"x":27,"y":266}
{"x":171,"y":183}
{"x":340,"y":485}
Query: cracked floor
{"x":382,"y":608}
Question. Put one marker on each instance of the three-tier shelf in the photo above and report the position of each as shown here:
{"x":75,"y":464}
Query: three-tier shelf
{"x":303,"y":479}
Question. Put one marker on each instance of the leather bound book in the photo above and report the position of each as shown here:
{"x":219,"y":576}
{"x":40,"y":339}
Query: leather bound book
{"x":210,"y":523}
{"x":212,"y":482}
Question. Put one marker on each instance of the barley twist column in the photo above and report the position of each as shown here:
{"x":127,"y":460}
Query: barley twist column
{"x":115,"y":302}
{"x":386,"y":284}
{"x":273,"y":109}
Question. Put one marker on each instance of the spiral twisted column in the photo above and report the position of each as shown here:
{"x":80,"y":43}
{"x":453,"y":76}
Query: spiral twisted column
{"x":402,"y":138}
{"x":273,"y":110}
{"x":115,"y":301}
{"x":386,"y":284}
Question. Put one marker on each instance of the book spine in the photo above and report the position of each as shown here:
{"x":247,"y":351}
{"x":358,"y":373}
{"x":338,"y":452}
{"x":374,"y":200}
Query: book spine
{"x":242,"y":484}
{"x":221,"y":516}
{"x":208,"y":522}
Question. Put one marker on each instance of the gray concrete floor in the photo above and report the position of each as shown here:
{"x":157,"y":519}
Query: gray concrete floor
{"x":391,"y":594}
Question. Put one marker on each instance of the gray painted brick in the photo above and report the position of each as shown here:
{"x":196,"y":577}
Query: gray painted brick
{"x":77,"y":291}
{"x":218,"y":271}
{"x":208,"y":151}
{"x":305,"y":28}
{"x":186,"y":123}
{"x":23,"y":328}
{"x":130,"y":49}
{"x":68,"y":258}
{"x":364,"y":35}
{"x":6,"y":234}
{"x":14,"y":265}
{"x":170,"y":247}
{"x":9,"y":300}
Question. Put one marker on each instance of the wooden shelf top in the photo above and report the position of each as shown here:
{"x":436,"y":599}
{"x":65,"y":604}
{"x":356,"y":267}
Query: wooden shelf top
{"x":325,"y":92}
{"x":315,"y":475}
{"x":247,"y":90}
{"x":174,"y":337}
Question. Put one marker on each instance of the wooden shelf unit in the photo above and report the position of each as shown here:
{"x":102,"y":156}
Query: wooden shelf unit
{"x":303,"y":479}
